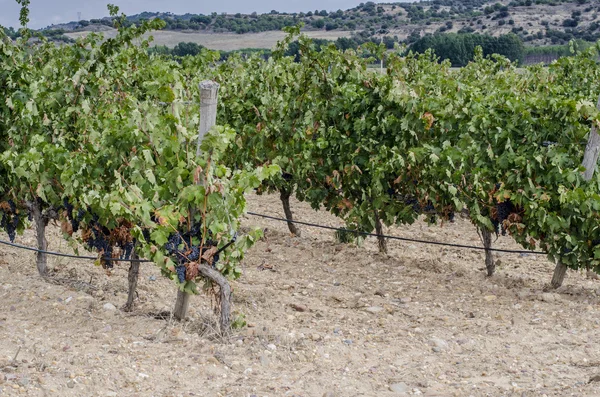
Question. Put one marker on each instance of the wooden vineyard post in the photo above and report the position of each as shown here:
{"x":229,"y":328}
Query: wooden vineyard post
{"x":42,"y":244}
{"x":208,"y":117}
{"x":132,"y":278}
{"x":590,"y":160}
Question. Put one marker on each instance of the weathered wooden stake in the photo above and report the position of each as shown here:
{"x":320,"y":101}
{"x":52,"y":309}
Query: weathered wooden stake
{"x":590,"y":160}
{"x":134,"y":272}
{"x":42,"y":244}
{"x":208,"y":118}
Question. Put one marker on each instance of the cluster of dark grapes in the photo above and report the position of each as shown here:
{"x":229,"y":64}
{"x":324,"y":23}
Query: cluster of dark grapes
{"x":100,"y":239}
{"x":427,"y":209}
{"x":503,"y":210}
{"x":548,"y":143}
{"x":287,"y":176}
{"x":10,"y":219}
{"x":127,"y":250}
{"x":75,"y":220}
{"x":184,"y":247}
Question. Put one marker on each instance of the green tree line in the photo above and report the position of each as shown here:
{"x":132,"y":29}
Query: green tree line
{"x":459,"y":49}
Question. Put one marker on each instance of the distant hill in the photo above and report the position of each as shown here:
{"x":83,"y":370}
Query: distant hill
{"x":537,"y":22}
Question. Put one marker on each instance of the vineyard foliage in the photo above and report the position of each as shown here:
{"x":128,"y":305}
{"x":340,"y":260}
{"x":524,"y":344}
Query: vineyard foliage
{"x":101,"y":132}
{"x":85,"y":133}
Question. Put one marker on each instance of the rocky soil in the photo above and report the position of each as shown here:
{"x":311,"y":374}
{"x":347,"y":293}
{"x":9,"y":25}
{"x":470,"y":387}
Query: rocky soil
{"x":324,"y":319}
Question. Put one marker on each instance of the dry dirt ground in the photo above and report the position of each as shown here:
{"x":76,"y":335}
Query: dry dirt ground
{"x":422,"y":321}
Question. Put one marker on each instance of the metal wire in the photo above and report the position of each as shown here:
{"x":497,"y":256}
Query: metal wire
{"x":60,"y":254}
{"x":472,"y":247}
{"x":315,"y":225}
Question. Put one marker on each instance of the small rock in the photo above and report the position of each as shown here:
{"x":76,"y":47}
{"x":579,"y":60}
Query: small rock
{"x":69,"y":299}
{"x":315,"y":337}
{"x":329,"y":394}
{"x":24,"y":381}
{"x":438,"y":343}
{"x":595,"y":378}
{"x":264,"y":360}
{"x":109,"y":307}
{"x":547,"y":297}
{"x":143,"y":376}
{"x":348,"y":341}
{"x":490,"y":298}
{"x":152,"y":278}
{"x":399,"y":388}
{"x":111,"y":394}
{"x":436,"y":349}
{"x":212,"y":360}
{"x":271,"y":347}
{"x":374,"y":309}
{"x":71,"y":384}
{"x":299,"y":308}
{"x":405,"y":300}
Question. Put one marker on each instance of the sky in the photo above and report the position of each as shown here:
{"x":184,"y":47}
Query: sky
{"x":48,"y":12}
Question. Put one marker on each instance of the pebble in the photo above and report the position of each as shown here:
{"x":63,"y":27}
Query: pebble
{"x":315,"y":337}
{"x":299,"y":308}
{"x":399,"y":388}
{"x":152,"y":278}
{"x":439,"y":344}
{"x":109,"y":307}
{"x":264,"y":360}
{"x":71,"y":384}
{"x":271,"y":347}
{"x":490,"y":298}
{"x":111,"y":394}
{"x":547,"y":297}
{"x":374,"y":309}
{"x":212,"y":360}
{"x":348,"y":341}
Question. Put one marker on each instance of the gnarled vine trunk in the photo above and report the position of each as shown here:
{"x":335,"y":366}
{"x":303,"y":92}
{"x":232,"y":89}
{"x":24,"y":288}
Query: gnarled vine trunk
{"x":486,"y":237}
{"x":285,"y":200}
{"x":224,"y":296}
{"x":559,"y":275}
{"x":381,"y":241}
